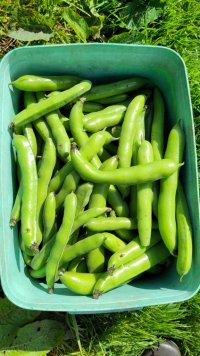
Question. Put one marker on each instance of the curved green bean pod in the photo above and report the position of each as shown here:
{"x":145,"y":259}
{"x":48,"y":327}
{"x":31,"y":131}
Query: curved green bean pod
{"x":29,"y":134}
{"x":91,"y":147}
{"x":81,"y":248}
{"x":99,"y":194}
{"x":144,"y":197}
{"x":59,"y":134}
{"x":112,"y":242}
{"x":48,"y":83}
{"x":39,"y":273}
{"x":80,"y":283}
{"x":155,"y":255}
{"x":16,"y":209}
{"x":40,"y":259}
{"x":57,"y":130}
{"x":49,"y":217}
{"x":109,"y":110}
{"x":76,"y":123}
{"x":83,"y":217}
{"x":29,"y":190}
{"x":50,"y":104}
{"x":126,"y":140}
{"x":129,"y":125}
{"x":29,"y":99}
{"x":116,"y":99}
{"x":83,"y":194}
{"x":131,"y":251}
{"x":95,"y":260}
{"x":131,"y":175}
{"x":45,"y":171}
{"x":157,"y":128}
{"x":148,"y":119}
{"x":70,"y":184}
{"x":119,"y":87}
{"x":184,"y":234}
{"x":89,"y":150}
{"x":61,"y":240}
{"x":168,"y":188}
{"x":138,"y":137}
{"x":113,"y":223}
{"x":103,"y":121}
{"x":58,"y":179}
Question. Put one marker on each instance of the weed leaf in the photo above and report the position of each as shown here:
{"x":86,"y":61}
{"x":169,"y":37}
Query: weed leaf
{"x":13,"y":315}
{"x":77,"y":23}
{"x":39,"y":336}
{"x":29,"y":36}
{"x":7,"y":334}
{"x":24,"y":353}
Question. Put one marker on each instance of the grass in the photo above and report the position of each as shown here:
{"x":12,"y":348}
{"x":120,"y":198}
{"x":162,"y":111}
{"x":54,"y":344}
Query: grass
{"x":170,"y":23}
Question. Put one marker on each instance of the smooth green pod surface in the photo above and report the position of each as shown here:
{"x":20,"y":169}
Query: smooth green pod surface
{"x":131,"y":175}
{"x":115,"y":88}
{"x":48,"y":83}
{"x":61,"y":240}
{"x":145,"y":197}
{"x":131,"y":251}
{"x":50,"y":104}
{"x":155,"y":255}
{"x":80,"y":283}
{"x":81,"y":248}
{"x":29,"y":180}
{"x":168,"y":188}
{"x":184,"y":234}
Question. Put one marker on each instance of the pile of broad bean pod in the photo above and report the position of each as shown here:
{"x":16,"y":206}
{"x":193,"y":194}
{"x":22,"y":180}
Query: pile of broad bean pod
{"x":99,"y":198}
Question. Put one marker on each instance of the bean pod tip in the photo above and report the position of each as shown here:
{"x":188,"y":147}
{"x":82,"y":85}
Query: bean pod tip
{"x":96,"y":294}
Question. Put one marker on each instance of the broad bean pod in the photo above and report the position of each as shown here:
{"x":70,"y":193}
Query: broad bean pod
{"x":118,"y":87}
{"x":80,"y":283}
{"x":50,"y":104}
{"x":37,"y":83}
{"x":184,"y":234}
{"x":45,"y":172}
{"x":155,"y":255}
{"x":28,"y":169}
{"x":28,"y":129}
{"x":95,"y":259}
{"x":61,"y":240}
{"x":145,"y":197}
{"x":168,"y":188}
{"x":49,"y":217}
{"x":81,"y":248}
{"x":16,"y":209}
{"x":39,"y":273}
{"x":102,"y":121}
{"x":114,"y":223}
{"x":131,"y":251}
{"x":40,"y":259}
{"x":131,"y":175}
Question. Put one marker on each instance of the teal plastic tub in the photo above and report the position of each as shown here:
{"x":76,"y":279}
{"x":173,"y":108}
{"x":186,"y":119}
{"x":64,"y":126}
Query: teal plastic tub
{"x":166,"y":69}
